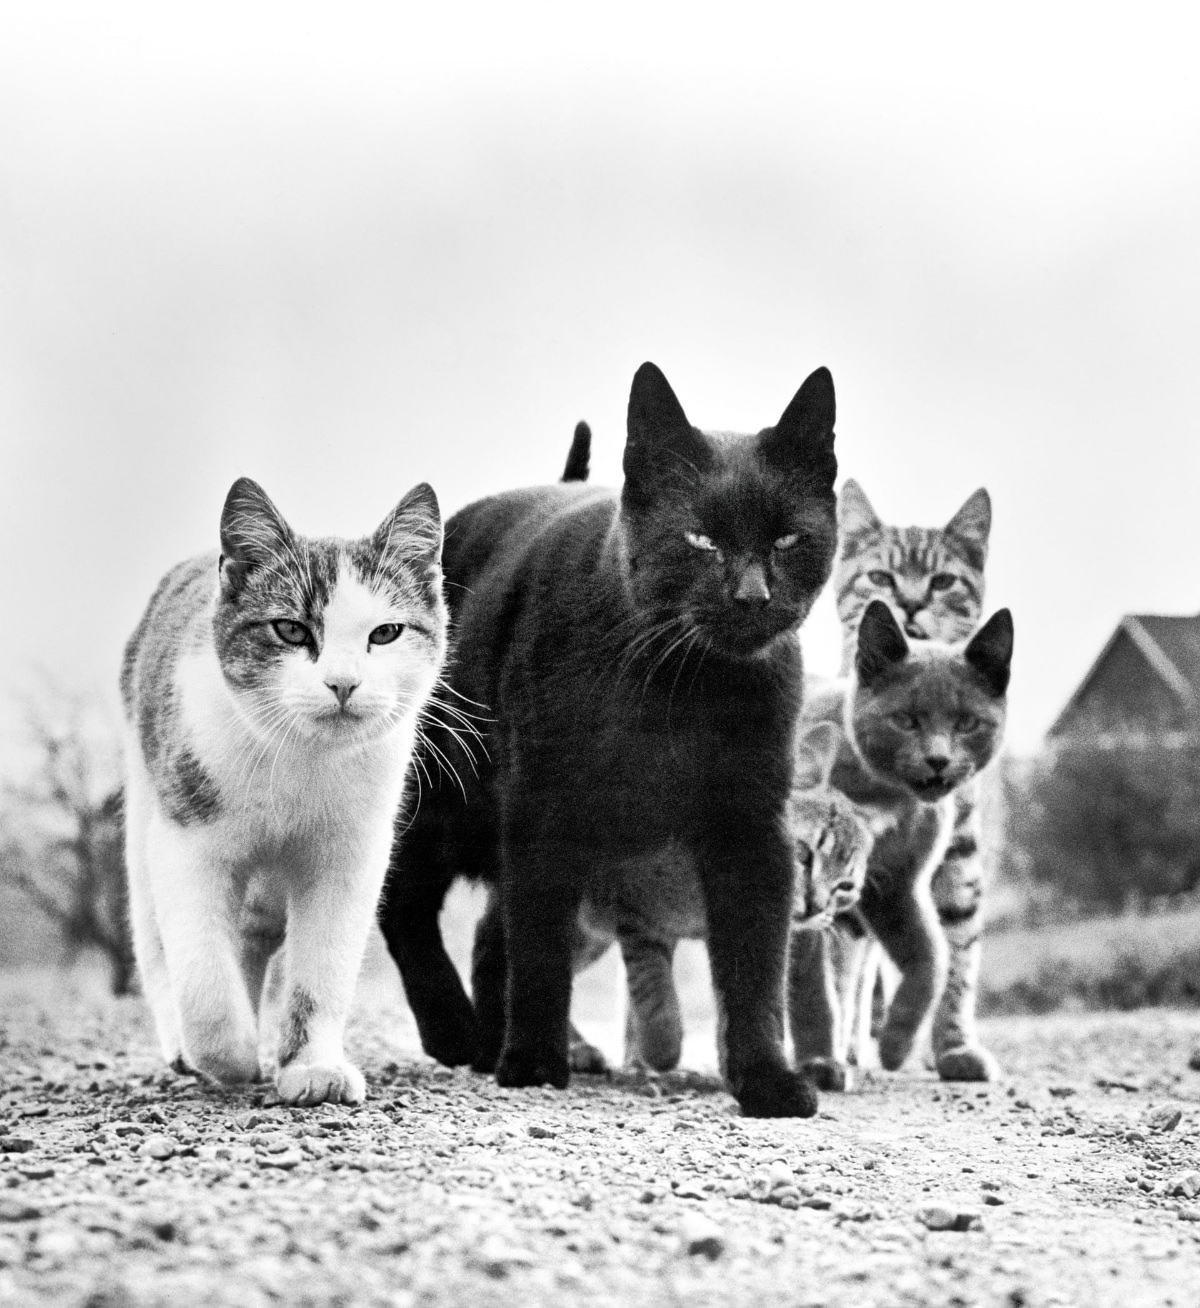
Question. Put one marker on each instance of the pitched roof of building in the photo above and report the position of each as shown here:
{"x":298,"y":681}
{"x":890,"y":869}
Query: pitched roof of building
{"x":1170,"y":645}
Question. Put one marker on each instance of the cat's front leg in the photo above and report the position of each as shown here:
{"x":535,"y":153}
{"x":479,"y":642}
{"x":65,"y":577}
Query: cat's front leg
{"x":195,"y":913}
{"x":814,"y":1010}
{"x":958,"y":889}
{"x":748,"y":894}
{"x":541,"y":887}
{"x":489,"y":983}
{"x":329,"y":918}
{"x":906,"y":925}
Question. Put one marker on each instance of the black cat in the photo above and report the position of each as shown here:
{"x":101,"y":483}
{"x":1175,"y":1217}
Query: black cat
{"x":639,"y":663}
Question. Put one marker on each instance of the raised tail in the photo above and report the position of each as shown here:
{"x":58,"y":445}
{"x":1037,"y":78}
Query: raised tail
{"x":580,"y":456}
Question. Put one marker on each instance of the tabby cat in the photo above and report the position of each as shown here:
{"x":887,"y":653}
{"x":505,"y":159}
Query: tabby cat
{"x":649,"y":910}
{"x":272,"y":694}
{"x":932,"y":580}
{"x":638,"y":657}
{"x":921,"y":720}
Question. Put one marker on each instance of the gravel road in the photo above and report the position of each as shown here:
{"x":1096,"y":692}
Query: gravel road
{"x":1076,"y":1181}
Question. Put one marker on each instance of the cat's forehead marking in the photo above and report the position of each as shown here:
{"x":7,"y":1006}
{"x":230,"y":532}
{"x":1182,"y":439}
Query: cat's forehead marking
{"x":353,"y":607}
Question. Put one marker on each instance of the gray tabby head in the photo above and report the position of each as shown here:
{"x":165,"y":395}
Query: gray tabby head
{"x":930,"y":577}
{"x":831,"y":838}
{"x":928,"y":715}
{"x":329,"y":638}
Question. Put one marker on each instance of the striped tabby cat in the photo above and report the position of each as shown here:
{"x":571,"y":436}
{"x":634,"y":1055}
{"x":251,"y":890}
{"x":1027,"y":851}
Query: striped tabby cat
{"x":921,"y":720}
{"x":932,"y":580}
{"x":272,"y":696}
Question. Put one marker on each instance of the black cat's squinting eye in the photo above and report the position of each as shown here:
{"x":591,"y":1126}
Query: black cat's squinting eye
{"x":942,"y":581}
{"x":385,"y":633}
{"x":698,"y":541}
{"x":292,"y":633}
{"x":788,"y":542}
{"x":880,"y":578}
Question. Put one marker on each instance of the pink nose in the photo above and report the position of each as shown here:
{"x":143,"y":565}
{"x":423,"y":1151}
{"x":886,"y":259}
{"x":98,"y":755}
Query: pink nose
{"x":343,"y":690}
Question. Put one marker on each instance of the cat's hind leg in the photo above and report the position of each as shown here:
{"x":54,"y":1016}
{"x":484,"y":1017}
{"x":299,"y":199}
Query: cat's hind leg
{"x":195,"y":918}
{"x":419,"y":878}
{"x":489,"y":981}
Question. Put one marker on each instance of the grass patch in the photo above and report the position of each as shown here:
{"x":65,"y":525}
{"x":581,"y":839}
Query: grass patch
{"x":1120,"y":963}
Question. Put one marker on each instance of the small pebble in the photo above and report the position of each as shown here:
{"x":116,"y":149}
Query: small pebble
{"x":1163,"y":1119}
{"x":701,"y":1236}
{"x":157,"y":1146}
{"x":17,"y":1210}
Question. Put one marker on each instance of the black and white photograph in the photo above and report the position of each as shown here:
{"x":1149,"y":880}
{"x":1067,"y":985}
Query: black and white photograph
{"x":600,"y":682}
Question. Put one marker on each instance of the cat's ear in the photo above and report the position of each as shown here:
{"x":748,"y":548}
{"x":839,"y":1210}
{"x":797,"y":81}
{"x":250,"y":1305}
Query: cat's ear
{"x":662,"y":449}
{"x":881,"y":643}
{"x":412,"y":532}
{"x":253,"y":531}
{"x":856,"y":517}
{"x":816,"y":755}
{"x":971,"y":525}
{"x":804,"y":434}
{"x":989,"y":651}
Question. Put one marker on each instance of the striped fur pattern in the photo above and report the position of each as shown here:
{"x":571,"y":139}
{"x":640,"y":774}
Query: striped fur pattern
{"x":272,"y":696}
{"x":649,"y":909}
{"x":921,"y":721}
{"x":932,"y":578}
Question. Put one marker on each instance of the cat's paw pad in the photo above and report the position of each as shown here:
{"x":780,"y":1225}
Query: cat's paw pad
{"x":828,"y":1073}
{"x":586,"y":1058}
{"x":774,"y":1090}
{"x":967,"y":1063}
{"x":533,"y":1066}
{"x":894,"y":1048}
{"x":305,"y":1084}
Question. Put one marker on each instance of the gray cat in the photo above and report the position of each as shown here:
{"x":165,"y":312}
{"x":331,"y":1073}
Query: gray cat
{"x":921,"y":721}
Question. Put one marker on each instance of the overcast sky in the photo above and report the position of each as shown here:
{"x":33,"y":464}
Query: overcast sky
{"x":342,"y":249}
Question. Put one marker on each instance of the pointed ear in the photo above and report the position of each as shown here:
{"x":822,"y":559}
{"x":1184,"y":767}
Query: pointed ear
{"x":881,"y":643}
{"x":856,"y":517}
{"x":662,"y":449}
{"x":816,"y":755}
{"x":971,"y":525}
{"x":990,"y":649}
{"x":412,"y":532}
{"x":253,"y":531}
{"x":803,"y":437}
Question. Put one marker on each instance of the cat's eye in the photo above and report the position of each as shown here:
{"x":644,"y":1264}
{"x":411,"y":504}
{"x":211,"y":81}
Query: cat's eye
{"x":699,"y":542}
{"x":880,"y":578}
{"x":966,"y":722}
{"x":385,"y":633}
{"x":942,"y":581}
{"x":905,"y":721}
{"x":788,"y":542}
{"x":292,"y":633}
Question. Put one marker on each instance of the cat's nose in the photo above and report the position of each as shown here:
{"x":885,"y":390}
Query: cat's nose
{"x":937,"y":763}
{"x":343,"y":689}
{"x":752,"y":588}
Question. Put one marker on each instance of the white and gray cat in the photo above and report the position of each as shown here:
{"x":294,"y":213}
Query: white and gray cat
{"x":932,"y":578}
{"x":921,"y":721}
{"x":272,"y":697}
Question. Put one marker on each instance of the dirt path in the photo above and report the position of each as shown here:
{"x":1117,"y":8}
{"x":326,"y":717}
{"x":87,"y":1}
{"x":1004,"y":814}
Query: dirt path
{"x":122,"y":1185}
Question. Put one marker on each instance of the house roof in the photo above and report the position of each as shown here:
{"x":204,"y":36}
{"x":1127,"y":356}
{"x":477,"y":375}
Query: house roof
{"x":1169,"y":644}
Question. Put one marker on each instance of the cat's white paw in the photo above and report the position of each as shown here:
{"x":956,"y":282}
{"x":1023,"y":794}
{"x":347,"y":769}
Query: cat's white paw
{"x":315,"y":1083}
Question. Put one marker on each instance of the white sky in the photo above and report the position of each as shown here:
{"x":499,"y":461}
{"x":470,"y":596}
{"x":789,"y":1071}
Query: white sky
{"x":345,"y":248}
